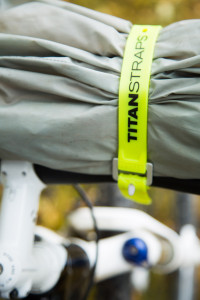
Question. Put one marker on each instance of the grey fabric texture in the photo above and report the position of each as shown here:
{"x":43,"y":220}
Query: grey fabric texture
{"x":59,"y":75}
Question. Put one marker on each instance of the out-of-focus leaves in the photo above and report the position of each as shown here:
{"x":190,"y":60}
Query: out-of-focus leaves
{"x":58,"y":201}
{"x":146,"y":11}
{"x":55,"y":202}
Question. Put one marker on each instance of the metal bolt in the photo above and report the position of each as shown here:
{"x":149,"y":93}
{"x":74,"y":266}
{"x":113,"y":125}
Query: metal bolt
{"x":14,"y":294}
{"x":131,"y":189}
{"x":1,"y":269}
{"x":133,"y":250}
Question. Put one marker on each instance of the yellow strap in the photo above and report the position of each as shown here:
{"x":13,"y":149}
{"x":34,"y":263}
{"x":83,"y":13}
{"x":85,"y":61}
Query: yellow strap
{"x":133,"y":106}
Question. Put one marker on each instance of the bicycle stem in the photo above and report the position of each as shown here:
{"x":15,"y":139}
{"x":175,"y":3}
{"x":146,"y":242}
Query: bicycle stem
{"x":24,"y":265}
{"x":19,"y":205}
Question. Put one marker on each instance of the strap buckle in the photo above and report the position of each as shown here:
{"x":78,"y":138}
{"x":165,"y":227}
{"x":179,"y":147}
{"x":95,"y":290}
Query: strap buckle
{"x":149,"y":173}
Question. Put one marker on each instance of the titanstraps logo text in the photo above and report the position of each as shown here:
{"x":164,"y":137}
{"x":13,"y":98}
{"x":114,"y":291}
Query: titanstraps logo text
{"x":134,"y":87}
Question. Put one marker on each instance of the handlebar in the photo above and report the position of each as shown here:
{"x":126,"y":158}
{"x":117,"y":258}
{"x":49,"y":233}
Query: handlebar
{"x":51,"y":176}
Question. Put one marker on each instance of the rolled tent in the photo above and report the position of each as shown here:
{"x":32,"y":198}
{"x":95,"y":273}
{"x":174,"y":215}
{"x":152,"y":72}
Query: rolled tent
{"x":60,"y":67}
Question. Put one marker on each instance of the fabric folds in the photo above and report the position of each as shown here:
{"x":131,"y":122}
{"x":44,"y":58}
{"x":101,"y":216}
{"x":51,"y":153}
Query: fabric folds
{"x":60,"y":67}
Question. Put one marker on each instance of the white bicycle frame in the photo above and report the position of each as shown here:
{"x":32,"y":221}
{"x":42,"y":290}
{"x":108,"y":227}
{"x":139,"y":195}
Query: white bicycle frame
{"x":27,"y":266}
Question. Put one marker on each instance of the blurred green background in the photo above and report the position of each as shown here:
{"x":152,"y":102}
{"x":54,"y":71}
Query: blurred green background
{"x":160,"y":12}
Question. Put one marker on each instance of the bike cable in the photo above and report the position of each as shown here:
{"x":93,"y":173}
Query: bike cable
{"x":87,"y":201}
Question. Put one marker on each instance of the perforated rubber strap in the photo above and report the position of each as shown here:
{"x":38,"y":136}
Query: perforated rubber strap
{"x":133,"y":108}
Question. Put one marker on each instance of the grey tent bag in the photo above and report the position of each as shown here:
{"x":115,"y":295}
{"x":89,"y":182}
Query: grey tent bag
{"x":60,"y":66}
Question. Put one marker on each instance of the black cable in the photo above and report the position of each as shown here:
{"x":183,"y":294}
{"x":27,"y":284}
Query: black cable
{"x":85,"y":198}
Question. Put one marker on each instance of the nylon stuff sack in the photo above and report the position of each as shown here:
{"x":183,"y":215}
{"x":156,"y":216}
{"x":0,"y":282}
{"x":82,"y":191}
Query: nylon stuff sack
{"x":60,"y":67}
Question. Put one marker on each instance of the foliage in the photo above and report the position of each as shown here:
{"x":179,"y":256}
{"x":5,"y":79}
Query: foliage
{"x":161,"y":12}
